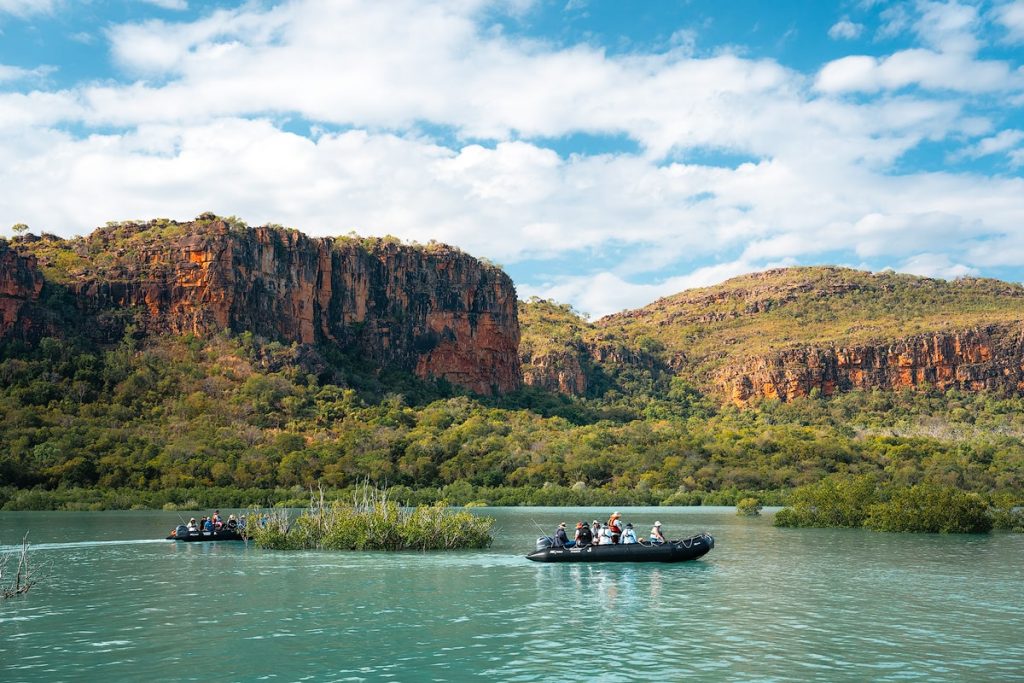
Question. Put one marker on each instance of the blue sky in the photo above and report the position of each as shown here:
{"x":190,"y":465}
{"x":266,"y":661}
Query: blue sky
{"x":606,"y":153}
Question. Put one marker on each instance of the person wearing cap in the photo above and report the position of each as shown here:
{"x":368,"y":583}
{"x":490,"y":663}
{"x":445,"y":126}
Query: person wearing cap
{"x":656,"y":535}
{"x":595,"y":531}
{"x":615,"y":526}
{"x":628,"y":535}
{"x":561,"y":540}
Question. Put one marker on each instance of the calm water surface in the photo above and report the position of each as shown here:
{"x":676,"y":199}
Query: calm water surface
{"x":765,"y":604}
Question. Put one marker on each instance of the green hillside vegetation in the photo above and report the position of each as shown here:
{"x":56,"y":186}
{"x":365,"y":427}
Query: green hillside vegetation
{"x":234,"y":420}
{"x":182,"y":419}
{"x":793,"y":307}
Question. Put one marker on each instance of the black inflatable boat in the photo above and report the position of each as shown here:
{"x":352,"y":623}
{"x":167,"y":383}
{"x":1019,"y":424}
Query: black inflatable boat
{"x":181,"y":533}
{"x":679,"y":550}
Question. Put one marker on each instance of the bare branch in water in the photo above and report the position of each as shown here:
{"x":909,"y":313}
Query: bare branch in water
{"x":23,"y":579}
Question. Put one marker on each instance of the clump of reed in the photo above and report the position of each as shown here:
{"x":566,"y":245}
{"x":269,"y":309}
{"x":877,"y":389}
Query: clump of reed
{"x":370,"y":521}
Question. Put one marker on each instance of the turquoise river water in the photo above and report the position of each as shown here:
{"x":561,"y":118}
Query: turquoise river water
{"x":117,"y":604}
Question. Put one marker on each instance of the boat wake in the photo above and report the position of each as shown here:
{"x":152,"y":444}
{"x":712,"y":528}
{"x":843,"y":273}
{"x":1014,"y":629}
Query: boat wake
{"x":77,"y":544}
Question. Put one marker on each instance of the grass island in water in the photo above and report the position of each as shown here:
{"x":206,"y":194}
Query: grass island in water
{"x":371,"y":521}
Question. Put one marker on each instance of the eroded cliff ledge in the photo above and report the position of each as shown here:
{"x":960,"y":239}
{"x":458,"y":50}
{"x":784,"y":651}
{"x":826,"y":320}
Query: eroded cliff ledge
{"x":20,"y":286}
{"x":990,"y":357}
{"x":432,"y":310}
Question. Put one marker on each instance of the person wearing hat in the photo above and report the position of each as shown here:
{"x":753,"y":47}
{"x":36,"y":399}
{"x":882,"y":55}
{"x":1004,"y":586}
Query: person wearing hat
{"x":615,"y":526}
{"x":561,"y":540}
{"x":595,"y":531}
{"x":656,"y":535}
{"x":628,"y":535}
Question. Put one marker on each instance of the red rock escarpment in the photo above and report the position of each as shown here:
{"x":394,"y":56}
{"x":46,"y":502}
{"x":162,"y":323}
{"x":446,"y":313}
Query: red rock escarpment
{"x":983,"y":358}
{"x":21,"y":282}
{"x":434,"y":311}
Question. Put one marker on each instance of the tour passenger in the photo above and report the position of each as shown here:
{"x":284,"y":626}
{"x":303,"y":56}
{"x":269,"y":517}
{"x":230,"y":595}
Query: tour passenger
{"x":561,"y":540}
{"x":595,"y":530}
{"x":208,"y":526}
{"x":628,"y":535}
{"x":192,"y":525}
{"x":656,"y":536}
{"x":232,"y":523}
{"x":615,"y":525}
{"x":584,"y":536}
{"x":606,"y":535}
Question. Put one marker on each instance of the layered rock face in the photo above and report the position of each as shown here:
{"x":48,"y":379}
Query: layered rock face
{"x":433,"y":310}
{"x":973,"y":360}
{"x":560,"y":371}
{"x":21,"y":283}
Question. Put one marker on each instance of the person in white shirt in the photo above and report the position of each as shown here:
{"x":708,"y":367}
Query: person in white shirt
{"x":656,"y":535}
{"x":628,"y":535}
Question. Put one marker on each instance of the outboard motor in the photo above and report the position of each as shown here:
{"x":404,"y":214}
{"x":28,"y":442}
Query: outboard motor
{"x":545,"y":542}
{"x":181,"y":531}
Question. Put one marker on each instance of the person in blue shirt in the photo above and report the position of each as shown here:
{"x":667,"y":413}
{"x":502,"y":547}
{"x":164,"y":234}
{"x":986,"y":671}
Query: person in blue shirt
{"x":561,"y":539}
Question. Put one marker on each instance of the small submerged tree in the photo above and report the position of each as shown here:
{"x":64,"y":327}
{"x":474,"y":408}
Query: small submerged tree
{"x":23,"y":579}
{"x":748,"y":507}
{"x":371,"y":521}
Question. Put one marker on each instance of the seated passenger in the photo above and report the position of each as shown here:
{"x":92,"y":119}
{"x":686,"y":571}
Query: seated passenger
{"x":232,"y":523}
{"x":208,"y":526}
{"x":656,"y":536}
{"x":192,"y":525}
{"x":628,"y":535}
{"x":583,"y":534}
{"x":607,"y":535}
{"x":561,"y":540}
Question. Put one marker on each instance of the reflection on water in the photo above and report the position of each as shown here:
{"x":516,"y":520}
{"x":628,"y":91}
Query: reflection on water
{"x":119,"y":605}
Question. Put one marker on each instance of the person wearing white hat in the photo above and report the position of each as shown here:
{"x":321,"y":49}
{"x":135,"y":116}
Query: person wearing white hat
{"x":561,"y":540}
{"x":656,"y":536}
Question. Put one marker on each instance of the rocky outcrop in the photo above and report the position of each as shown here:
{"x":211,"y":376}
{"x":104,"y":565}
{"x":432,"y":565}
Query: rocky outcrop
{"x":432,"y":310}
{"x":560,"y":371}
{"x":21,"y":283}
{"x":591,"y":364}
{"x":989,"y":357}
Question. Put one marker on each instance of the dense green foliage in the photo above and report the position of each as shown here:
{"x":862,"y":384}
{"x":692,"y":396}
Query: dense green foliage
{"x":930,"y":507}
{"x":749,"y":507}
{"x":846,"y":501}
{"x":162,"y":422}
{"x":371,"y":521}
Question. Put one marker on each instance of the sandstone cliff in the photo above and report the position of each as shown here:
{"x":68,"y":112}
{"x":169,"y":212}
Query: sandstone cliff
{"x":433,"y":310}
{"x":972,"y":360}
{"x":786,"y":332}
{"x":21,"y":283}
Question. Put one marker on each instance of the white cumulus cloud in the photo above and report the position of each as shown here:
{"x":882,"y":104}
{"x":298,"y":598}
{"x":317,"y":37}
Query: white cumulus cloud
{"x":430,"y":122}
